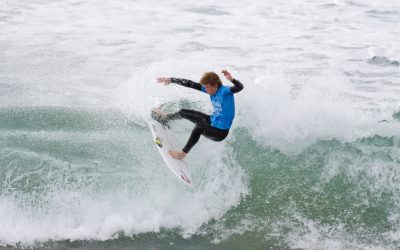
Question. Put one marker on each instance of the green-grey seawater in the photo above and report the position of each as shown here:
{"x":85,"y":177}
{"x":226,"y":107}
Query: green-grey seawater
{"x":92,"y":179}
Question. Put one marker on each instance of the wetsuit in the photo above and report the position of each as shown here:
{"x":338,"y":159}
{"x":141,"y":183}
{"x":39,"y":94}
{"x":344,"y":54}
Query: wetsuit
{"x":216,"y":126}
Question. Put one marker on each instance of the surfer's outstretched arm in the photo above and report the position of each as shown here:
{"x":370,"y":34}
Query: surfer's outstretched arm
{"x":187,"y":83}
{"x":238,"y":86}
{"x":183,"y":82}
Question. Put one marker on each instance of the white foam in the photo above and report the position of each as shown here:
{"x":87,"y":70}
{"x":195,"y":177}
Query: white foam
{"x":84,"y":214}
{"x":93,"y":199}
{"x":303,"y":64}
{"x":313,"y":235}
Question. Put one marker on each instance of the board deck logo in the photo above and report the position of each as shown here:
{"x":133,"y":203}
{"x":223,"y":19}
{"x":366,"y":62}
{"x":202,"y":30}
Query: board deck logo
{"x":185,"y":179}
{"x":159,"y":142}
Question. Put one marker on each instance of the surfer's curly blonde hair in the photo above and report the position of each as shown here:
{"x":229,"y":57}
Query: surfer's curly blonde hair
{"x":210,"y":78}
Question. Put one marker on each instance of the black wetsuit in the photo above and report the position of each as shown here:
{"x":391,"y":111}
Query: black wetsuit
{"x":202,"y":121}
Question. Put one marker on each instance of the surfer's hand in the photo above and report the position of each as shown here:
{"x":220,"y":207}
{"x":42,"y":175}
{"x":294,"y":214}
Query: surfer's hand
{"x":164,"y":80}
{"x":227,"y":75}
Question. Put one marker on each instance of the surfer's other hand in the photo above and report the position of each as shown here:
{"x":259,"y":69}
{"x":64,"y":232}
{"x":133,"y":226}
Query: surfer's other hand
{"x":164,"y":80}
{"x":227,"y":75}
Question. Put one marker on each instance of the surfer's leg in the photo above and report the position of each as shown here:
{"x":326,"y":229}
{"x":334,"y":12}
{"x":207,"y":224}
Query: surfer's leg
{"x":194,"y":138}
{"x":208,"y":131}
{"x":191,"y":115}
{"x":215,"y":134}
{"x":203,"y":127}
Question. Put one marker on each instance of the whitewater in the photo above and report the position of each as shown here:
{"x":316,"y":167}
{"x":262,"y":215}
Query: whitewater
{"x":312,"y":160}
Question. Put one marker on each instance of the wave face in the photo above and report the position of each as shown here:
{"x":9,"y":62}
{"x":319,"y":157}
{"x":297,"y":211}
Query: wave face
{"x":311,"y":162}
{"x":76,"y":174}
{"x":80,"y":174}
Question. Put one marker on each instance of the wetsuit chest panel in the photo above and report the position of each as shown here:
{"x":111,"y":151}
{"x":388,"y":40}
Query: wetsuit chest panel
{"x":224,"y":108}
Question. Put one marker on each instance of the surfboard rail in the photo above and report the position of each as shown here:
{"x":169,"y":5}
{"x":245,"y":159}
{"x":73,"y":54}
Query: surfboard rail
{"x":165,"y":141}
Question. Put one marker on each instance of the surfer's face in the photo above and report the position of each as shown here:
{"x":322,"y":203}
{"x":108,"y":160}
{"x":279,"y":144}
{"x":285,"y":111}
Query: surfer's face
{"x":211,"y":89}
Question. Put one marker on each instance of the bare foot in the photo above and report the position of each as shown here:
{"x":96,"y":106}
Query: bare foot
{"x":177,"y":154}
{"x":159,"y":112}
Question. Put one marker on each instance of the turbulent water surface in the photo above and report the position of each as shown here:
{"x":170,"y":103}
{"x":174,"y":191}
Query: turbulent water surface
{"x":312,"y":160}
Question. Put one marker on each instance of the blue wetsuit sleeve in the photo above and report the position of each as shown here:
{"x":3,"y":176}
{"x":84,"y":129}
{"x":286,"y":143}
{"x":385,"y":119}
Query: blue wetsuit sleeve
{"x":238,"y":86}
{"x":187,"y":83}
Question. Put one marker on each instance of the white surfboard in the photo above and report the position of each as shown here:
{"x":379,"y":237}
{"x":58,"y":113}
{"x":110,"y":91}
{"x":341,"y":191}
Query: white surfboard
{"x":165,"y":141}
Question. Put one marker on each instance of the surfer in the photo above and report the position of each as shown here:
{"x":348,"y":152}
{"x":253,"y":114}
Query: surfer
{"x":216,"y":126}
